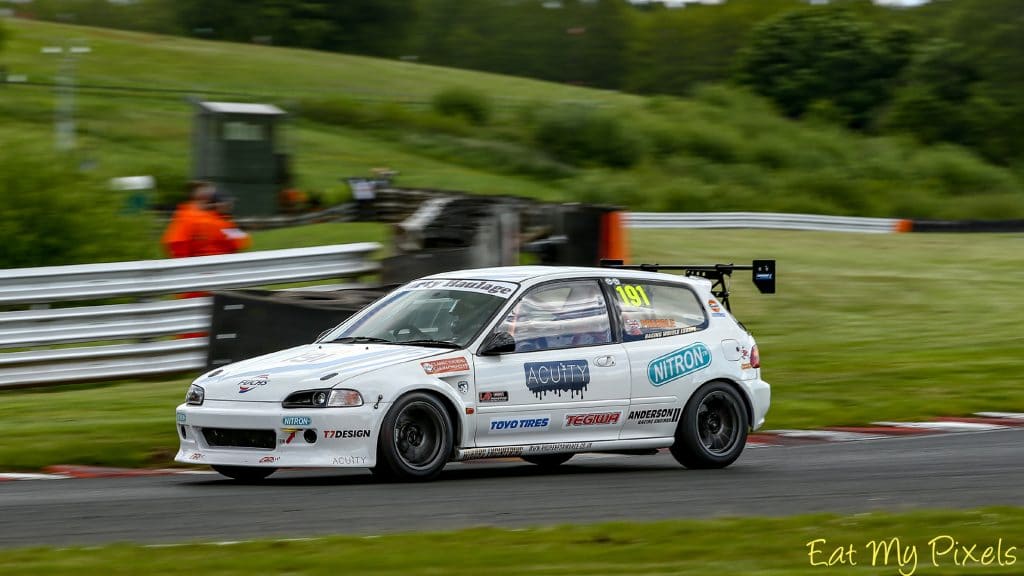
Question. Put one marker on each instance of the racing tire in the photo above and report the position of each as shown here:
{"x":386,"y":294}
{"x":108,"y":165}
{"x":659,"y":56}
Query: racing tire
{"x":245,"y":473}
{"x":548,"y":461}
{"x":713,"y":430}
{"x":415,"y":441}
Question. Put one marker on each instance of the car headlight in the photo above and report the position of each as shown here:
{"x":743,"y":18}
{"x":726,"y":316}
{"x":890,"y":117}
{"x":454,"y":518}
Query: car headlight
{"x":345,"y":397}
{"x":195,"y":395}
{"x":324,"y":398}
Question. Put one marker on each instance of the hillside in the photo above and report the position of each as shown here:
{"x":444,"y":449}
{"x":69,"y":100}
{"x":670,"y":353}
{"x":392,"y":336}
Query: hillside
{"x":722,"y":150}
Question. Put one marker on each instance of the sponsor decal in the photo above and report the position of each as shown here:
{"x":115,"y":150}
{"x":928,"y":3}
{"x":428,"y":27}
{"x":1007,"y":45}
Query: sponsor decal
{"x":713,"y":304}
{"x":445,"y":365}
{"x":570,"y":376}
{"x":676,"y":332}
{"x":746,"y":366}
{"x":658,"y":324}
{"x":181,"y":416}
{"x":463,"y":386}
{"x":598,"y":419}
{"x":515,"y":424}
{"x":269,"y":459}
{"x":196,"y":456}
{"x":495,"y":396}
{"x":296,"y":421}
{"x":253,"y":383}
{"x":679,"y":363}
{"x":499,"y":289}
{"x":505,"y":452}
{"x":558,"y":447}
{"x":348,"y":460}
{"x":655,"y":416}
{"x":633,"y":328}
{"x":346,"y":433}
{"x":291,"y":436}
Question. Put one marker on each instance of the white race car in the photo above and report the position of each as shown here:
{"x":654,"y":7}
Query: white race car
{"x":527,"y":361}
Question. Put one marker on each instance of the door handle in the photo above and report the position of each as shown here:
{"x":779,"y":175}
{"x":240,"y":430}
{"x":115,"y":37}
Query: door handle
{"x":604,"y":361}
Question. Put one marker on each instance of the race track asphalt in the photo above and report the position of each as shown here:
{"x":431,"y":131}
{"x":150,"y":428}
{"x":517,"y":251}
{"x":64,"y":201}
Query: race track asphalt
{"x":943,"y":471}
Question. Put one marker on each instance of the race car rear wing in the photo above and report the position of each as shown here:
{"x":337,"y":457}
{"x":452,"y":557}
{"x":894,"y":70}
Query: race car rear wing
{"x":762,"y":273}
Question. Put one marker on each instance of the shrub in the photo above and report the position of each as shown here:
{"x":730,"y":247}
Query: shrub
{"x":51,"y":214}
{"x":583,"y":135}
{"x":465,"y":103}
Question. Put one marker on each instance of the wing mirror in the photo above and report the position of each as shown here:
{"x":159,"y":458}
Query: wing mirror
{"x":498,"y":343}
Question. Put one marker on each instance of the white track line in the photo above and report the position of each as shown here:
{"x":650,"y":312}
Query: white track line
{"x":945,"y":426}
{"x":1004,"y":415}
{"x":30,"y":476}
{"x":827,"y":435}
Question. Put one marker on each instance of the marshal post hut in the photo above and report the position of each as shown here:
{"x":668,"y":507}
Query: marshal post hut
{"x":237,"y":147}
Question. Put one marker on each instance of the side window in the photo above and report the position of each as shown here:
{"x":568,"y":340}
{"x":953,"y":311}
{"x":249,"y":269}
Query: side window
{"x":559,"y":315}
{"x":656,"y":310}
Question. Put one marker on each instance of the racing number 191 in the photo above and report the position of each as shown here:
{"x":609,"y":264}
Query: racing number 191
{"x":633,"y":294}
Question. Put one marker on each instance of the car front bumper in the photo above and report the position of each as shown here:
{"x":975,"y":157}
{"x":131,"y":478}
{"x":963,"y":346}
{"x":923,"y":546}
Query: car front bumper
{"x":216,"y":433}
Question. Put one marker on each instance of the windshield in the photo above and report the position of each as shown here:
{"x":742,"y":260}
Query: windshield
{"x":427,"y":312}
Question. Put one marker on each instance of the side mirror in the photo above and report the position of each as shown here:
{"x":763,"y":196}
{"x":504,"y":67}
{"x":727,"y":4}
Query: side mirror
{"x":498,"y":343}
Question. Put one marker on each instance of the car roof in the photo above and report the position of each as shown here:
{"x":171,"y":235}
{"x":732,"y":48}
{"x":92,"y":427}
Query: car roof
{"x":533,"y":274}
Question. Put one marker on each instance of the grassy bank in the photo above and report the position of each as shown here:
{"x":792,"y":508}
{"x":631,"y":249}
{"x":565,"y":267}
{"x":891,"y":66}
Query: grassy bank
{"x":863,"y":328}
{"x":747,"y":546}
{"x":720,"y":150}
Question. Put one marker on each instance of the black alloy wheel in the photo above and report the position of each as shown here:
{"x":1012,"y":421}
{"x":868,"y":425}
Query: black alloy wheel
{"x":713,"y":430}
{"x":416,"y":439}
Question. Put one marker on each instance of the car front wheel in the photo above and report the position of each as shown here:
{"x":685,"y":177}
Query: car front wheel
{"x":713,"y":429}
{"x":415,"y":439}
{"x":245,"y":473}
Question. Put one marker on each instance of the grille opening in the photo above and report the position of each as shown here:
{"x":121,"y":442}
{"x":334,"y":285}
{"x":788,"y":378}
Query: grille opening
{"x":239,"y":438}
{"x":183,"y":433}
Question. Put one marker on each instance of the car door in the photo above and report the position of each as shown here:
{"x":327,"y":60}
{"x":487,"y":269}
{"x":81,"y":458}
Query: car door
{"x":566,"y":381}
{"x":664,"y":334}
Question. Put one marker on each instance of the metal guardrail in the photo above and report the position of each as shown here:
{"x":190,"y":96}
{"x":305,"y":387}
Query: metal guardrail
{"x":765,"y":221}
{"x":153,"y":277}
{"x":130,"y":340}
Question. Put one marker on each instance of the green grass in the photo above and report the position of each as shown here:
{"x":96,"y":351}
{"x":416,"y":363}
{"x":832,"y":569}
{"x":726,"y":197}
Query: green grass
{"x":863,"y":328}
{"x":117,"y":424}
{"x":321,"y":235}
{"x":720,"y":150}
{"x":737,"y":547}
{"x":873,"y":327}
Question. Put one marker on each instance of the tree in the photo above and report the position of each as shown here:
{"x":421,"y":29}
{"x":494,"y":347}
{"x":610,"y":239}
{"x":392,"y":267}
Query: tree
{"x":673,"y":50}
{"x":824,"y":53}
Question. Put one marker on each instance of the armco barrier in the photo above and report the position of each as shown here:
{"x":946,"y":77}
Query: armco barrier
{"x":766,"y":221}
{"x":129,"y":340}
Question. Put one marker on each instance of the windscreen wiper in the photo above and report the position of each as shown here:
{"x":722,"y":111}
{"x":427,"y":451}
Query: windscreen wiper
{"x":361,"y":340}
{"x":429,"y":342}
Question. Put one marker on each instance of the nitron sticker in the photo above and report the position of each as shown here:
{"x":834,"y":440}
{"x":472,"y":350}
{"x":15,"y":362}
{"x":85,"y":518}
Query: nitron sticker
{"x":679,"y":363}
{"x":296,"y":420}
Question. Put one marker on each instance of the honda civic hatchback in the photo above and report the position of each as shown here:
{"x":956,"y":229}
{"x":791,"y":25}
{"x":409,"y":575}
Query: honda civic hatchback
{"x":533,"y":362}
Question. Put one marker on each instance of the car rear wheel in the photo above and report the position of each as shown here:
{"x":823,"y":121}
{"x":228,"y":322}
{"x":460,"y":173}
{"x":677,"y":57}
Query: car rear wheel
{"x":713,"y":429}
{"x":245,"y":473}
{"x":548,"y":461}
{"x":416,"y":439}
